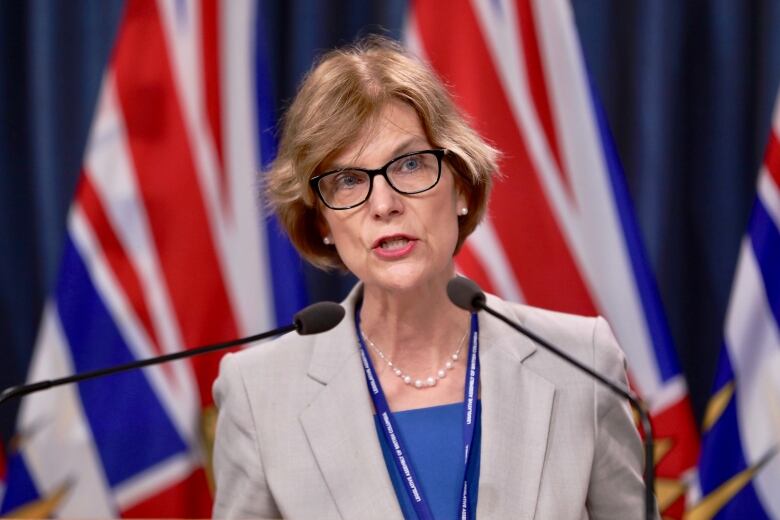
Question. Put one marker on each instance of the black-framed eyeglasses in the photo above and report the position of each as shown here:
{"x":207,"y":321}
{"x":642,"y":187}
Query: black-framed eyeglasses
{"x":408,"y":174}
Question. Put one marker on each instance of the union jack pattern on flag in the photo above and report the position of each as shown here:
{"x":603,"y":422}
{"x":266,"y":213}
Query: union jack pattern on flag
{"x":561,"y":233}
{"x":165,"y":250}
{"x":739,"y":470}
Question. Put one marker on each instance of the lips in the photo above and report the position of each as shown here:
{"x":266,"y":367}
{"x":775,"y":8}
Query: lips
{"x":391,"y":242}
{"x":392,"y":246}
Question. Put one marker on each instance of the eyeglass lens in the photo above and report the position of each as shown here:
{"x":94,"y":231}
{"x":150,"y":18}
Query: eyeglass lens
{"x":408,"y":174}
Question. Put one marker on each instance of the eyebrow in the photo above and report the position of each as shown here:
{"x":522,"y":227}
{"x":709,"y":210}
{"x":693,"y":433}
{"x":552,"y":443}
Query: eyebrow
{"x":408,"y":145}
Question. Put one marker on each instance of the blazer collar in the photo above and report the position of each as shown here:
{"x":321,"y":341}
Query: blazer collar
{"x":516,"y":410}
{"x":339,"y":425}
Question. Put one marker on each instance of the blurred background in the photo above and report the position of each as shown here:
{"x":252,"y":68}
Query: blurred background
{"x":688,"y":90}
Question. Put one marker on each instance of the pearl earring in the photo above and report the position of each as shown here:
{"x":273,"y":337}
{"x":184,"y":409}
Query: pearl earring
{"x":463,"y":212}
{"x":326,"y":241}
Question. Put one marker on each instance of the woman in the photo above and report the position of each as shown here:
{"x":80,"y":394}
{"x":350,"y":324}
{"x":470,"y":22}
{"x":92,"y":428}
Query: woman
{"x":379,"y":174}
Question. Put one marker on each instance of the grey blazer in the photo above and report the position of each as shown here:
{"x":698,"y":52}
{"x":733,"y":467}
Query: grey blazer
{"x":296,"y":436}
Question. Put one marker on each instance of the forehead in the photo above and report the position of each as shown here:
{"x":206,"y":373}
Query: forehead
{"x":395,"y":130}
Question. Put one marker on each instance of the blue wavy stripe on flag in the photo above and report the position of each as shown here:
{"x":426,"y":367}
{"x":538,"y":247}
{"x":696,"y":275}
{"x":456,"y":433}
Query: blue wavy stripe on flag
{"x":765,"y":240}
{"x":657,"y":326}
{"x":21,"y":488}
{"x":131,"y":430}
{"x":722,"y":456}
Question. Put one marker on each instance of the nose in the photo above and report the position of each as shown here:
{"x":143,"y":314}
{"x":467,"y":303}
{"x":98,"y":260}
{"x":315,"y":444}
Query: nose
{"x":384,"y":200}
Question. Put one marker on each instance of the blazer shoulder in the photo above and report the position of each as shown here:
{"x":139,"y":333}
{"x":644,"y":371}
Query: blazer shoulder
{"x":286,"y":352}
{"x":554,"y":322}
{"x":258,"y":371}
{"x":588,"y":339}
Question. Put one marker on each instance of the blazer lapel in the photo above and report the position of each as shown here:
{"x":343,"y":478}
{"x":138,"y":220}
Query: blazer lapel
{"x":516,"y":410}
{"x":340,"y":428}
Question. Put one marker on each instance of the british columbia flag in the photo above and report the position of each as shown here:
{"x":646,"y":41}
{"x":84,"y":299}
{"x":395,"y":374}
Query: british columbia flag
{"x":739,"y":468}
{"x":561,"y":232}
{"x":165,"y":250}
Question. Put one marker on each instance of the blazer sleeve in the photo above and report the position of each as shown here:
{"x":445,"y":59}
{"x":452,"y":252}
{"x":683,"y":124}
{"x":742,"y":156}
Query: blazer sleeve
{"x":616,"y":489}
{"x":241,"y":487}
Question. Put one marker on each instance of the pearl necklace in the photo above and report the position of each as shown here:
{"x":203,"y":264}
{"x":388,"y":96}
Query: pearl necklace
{"x":419,"y":383}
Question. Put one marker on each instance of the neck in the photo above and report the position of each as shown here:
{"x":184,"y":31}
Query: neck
{"x":419,"y":328}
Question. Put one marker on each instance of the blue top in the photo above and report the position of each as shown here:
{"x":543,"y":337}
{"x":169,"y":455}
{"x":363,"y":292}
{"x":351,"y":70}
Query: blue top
{"x":434,"y":440}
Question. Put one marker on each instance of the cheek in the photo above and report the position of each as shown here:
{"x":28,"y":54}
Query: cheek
{"x":346,"y":237}
{"x":455,"y":235}
{"x":332,"y":223}
{"x":343,"y":231}
{"x":446,"y":227}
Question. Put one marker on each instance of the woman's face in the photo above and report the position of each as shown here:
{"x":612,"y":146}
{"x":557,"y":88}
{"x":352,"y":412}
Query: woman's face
{"x":392,"y":241}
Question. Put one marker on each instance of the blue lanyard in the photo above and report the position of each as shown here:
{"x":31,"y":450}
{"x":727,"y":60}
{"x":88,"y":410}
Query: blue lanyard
{"x":393,"y":434}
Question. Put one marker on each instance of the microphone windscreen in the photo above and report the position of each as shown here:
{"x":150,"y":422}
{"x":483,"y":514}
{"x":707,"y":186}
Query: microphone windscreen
{"x":466,"y":294}
{"x":318,"y":317}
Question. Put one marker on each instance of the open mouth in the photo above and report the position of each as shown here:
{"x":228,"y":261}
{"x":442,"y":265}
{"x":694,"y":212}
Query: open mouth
{"x":393,"y":243}
{"x":395,"y":246}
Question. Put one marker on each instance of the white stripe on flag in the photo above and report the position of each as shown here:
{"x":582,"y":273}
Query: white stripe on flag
{"x":148,"y":483}
{"x":236,"y":228}
{"x":110,"y":168}
{"x":753,"y":342}
{"x":596,"y":233}
{"x":246,"y":251}
{"x":501,"y":34}
{"x":180,"y":404}
{"x":486,"y":246}
{"x":590,"y":223}
{"x":52,"y":427}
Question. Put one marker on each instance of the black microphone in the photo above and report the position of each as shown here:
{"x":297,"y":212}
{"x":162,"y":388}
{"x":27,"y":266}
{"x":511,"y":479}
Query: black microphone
{"x":467,"y":295}
{"x":316,"y":318}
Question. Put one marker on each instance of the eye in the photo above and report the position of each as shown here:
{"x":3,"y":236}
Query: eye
{"x":411,"y":164}
{"x":348,"y":179}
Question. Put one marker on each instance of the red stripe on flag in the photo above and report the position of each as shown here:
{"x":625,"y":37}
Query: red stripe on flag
{"x":170,"y":186}
{"x":523,"y":219}
{"x":772,"y":158}
{"x":538,"y":85}
{"x":189,"y":498}
{"x":674,"y":510}
{"x":116,"y":256}
{"x":468,"y":264}
{"x":210,"y":21}
{"x":676,"y":424}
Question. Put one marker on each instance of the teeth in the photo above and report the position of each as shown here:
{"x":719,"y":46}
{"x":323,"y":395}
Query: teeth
{"x":394,"y":243}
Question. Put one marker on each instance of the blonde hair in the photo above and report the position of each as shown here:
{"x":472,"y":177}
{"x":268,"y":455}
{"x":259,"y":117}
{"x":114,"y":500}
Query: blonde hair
{"x":342,"y":94}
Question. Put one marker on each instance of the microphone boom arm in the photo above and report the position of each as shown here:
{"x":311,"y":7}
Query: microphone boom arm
{"x":314,"y":319}
{"x":22,"y":390}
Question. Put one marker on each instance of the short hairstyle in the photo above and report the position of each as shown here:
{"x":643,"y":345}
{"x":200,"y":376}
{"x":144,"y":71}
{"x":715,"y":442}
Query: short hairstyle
{"x":343,"y":93}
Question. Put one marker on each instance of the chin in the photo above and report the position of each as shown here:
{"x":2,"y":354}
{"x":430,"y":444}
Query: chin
{"x":394,"y":277}
{"x":403,"y":277}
